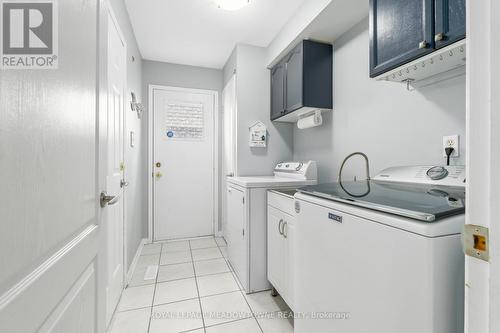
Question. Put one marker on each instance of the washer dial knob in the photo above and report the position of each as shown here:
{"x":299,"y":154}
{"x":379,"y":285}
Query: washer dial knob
{"x":437,"y":173}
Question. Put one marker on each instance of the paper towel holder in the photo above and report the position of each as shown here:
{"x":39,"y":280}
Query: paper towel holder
{"x":310,"y":119}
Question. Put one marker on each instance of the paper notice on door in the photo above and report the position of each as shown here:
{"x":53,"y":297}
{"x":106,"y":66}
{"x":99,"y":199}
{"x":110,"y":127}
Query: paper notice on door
{"x":185,"y":121}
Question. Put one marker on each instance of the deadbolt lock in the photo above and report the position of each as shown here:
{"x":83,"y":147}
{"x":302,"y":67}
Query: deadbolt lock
{"x":158,"y":164}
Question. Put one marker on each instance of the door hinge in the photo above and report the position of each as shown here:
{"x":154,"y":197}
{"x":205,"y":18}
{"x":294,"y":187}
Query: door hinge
{"x":243,"y":200}
{"x":243,"y":232}
{"x":122,"y":166}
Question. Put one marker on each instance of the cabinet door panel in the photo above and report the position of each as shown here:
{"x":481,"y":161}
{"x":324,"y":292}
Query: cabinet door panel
{"x":450,"y":22}
{"x":275,"y":248}
{"x":293,"y":80}
{"x":277,"y":91}
{"x":396,"y":30}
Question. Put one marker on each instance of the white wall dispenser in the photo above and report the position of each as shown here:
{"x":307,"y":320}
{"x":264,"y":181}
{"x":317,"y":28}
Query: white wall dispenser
{"x":258,"y":135}
{"x":309,"y":120}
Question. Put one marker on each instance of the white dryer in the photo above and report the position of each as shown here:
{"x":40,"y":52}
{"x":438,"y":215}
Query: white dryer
{"x":246,"y":229}
{"x":382,"y":255}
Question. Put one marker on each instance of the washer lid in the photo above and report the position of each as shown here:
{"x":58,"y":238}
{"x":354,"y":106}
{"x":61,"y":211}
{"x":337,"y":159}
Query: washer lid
{"x":269,"y":181}
{"x":422,"y":202}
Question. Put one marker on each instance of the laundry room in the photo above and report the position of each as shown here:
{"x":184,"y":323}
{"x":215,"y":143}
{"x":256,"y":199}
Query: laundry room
{"x":255,"y":166}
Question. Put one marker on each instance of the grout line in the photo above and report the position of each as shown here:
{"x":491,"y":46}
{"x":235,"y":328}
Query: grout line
{"x":197,"y":289}
{"x":154,"y":292}
{"x":229,"y":322}
{"x":243,"y":294}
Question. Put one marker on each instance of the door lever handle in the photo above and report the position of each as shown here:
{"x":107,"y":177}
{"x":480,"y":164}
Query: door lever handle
{"x":108,"y":200}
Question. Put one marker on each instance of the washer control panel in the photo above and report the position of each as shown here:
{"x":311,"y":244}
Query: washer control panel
{"x":300,"y":170}
{"x":432,"y":175}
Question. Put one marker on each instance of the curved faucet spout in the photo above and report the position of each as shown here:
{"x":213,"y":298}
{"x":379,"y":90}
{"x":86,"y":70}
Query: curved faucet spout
{"x":367,"y":162}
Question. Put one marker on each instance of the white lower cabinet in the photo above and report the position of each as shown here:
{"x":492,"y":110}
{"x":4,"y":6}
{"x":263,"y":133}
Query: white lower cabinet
{"x":281,"y":250}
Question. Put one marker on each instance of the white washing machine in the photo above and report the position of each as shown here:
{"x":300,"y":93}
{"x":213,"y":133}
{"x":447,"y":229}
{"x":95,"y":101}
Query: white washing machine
{"x":246,"y":229}
{"x":382,"y":255}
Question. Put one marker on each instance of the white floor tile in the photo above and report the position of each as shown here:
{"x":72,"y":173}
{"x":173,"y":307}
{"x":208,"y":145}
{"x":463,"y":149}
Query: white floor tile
{"x":263,"y":302}
{"x":276,"y":323}
{"x":216,"y":284}
{"x":176,"y":317}
{"x":176,"y":246}
{"x":223,"y":308}
{"x":148,"y":260}
{"x":136,"y":297}
{"x":138,"y":277}
{"x":206,"y":254}
{"x":134,"y":321}
{"x":169,"y":258}
{"x":240,"y":326}
{"x":220,"y":241}
{"x":207,"y":267}
{"x":175,"y":272}
{"x":174,"y":291}
{"x":202,"y":243}
{"x":151,"y":249}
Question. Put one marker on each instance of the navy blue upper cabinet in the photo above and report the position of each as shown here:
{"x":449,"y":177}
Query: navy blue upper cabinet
{"x":277,"y":90}
{"x":450,"y":22}
{"x":400,"y":31}
{"x":302,"y":78}
{"x":404,"y":30}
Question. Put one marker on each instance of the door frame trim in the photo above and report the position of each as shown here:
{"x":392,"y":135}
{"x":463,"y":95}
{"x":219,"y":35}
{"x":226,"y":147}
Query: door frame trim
{"x":216,"y":179}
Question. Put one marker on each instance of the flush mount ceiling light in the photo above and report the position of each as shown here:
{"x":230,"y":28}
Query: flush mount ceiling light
{"x":231,"y":4}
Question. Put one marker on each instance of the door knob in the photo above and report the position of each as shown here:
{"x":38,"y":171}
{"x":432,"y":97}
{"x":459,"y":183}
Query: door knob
{"x":158,"y":175}
{"x":108,"y":200}
{"x":439,"y":36}
{"x":423,"y":44}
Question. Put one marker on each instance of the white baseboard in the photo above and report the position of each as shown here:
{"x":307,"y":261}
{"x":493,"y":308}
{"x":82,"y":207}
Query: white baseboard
{"x":131,"y":270}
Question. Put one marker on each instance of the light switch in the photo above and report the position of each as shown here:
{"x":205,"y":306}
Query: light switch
{"x":132,"y":139}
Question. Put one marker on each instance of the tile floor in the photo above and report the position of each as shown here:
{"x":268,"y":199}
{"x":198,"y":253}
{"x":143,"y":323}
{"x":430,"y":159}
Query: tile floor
{"x":194,"y":290}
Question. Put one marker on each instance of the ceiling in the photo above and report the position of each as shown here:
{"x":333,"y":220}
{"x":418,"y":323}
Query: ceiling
{"x":198,"y":33}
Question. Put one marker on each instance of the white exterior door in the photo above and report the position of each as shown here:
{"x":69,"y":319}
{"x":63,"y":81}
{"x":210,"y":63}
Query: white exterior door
{"x":114,"y":215}
{"x":184,"y":168}
{"x":49,"y":203}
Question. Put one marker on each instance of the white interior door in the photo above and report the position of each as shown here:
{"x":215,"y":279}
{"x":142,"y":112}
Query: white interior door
{"x":49,"y":213}
{"x":229,"y":142}
{"x":184,"y":168}
{"x":114,"y":216}
{"x":482,"y":289}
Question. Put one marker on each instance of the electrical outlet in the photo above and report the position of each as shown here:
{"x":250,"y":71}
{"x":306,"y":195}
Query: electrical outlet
{"x":451,"y":141}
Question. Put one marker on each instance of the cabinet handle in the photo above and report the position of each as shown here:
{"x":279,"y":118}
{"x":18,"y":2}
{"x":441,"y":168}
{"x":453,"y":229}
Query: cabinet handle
{"x":279,"y":227}
{"x":440,"y":36}
{"x":423,"y":44}
{"x":284,"y":233}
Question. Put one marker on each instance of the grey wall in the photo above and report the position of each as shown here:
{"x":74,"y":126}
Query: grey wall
{"x":160,"y":73}
{"x":391,"y":125}
{"x":253,"y":104}
{"x":135,"y":169}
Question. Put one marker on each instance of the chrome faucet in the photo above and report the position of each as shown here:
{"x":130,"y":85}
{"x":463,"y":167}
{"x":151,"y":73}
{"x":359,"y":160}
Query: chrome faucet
{"x":367,"y":162}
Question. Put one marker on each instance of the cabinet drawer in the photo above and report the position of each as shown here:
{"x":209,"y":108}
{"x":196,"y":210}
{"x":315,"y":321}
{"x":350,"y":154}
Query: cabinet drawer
{"x":281,"y":201}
